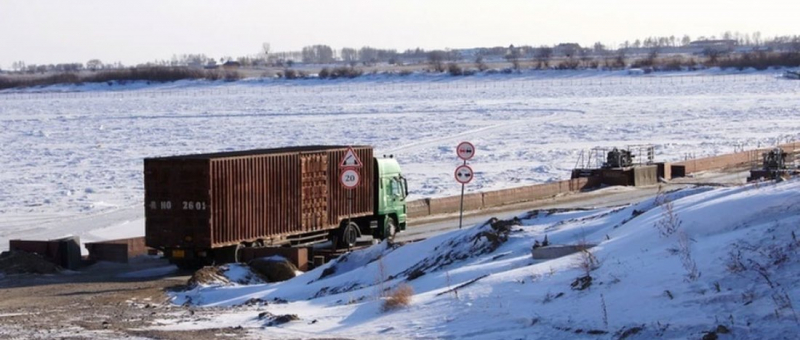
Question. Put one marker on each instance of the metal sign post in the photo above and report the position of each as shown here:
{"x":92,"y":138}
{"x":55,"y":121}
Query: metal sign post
{"x":464,"y":174}
{"x":350,"y":176}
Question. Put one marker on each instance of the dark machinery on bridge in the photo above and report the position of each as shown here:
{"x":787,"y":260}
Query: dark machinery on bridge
{"x":775,"y":160}
{"x":617,"y":158}
{"x":774,"y":165}
{"x":633,"y":165}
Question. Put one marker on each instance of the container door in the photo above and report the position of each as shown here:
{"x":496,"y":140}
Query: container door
{"x":315,"y":191}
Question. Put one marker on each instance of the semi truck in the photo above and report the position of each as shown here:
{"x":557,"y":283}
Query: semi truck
{"x":204,"y":208}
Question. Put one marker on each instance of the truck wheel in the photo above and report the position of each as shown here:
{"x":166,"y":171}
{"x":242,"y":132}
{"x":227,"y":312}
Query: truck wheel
{"x":348,"y":235}
{"x":390,"y":229}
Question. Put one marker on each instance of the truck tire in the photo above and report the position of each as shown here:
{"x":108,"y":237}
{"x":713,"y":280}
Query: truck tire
{"x":347,"y":235}
{"x":389,"y":229}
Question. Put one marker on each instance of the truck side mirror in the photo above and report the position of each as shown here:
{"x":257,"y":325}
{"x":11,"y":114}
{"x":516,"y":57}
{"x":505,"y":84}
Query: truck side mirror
{"x":405,"y":186}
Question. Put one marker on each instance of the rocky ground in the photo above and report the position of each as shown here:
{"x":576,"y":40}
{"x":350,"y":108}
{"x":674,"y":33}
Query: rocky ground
{"x":98,"y":303}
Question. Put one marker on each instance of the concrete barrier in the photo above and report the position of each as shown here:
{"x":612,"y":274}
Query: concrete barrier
{"x":446,"y":205}
{"x":556,"y":251}
{"x":418,"y":208}
{"x":120,"y":250}
{"x":578,"y":184}
{"x":715,"y":162}
{"x":645,"y":175}
{"x":648,"y":176}
{"x":65,"y":252}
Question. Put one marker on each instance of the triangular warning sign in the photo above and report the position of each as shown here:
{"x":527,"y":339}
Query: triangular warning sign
{"x":350,"y":160}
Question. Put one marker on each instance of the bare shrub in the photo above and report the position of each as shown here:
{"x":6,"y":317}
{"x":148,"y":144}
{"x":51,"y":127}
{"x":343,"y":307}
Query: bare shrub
{"x":345,"y":72}
{"x":405,"y":72}
{"x":569,"y":64}
{"x":398,"y":298}
{"x":436,"y":60}
{"x":586,"y":261}
{"x":290,"y":74}
{"x":758,"y":60}
{"x":782,"y":302}
{"x":324,"y":73}
{"x":605,"y":310}
{"x":685,"y":253}
{"x":454,"y":69}
{"x":669,"y":222}
{"x":157,"y":74}
{"x":762,"y":260}
{"x":480,"y":64}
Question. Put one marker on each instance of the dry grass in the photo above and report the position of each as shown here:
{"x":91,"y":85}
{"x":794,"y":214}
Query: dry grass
{"x":398,"y":298}
{"x":669,"y":222}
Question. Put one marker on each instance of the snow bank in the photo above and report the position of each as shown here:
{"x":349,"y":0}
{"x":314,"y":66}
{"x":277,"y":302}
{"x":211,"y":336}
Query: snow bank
{"x":730,"y":264}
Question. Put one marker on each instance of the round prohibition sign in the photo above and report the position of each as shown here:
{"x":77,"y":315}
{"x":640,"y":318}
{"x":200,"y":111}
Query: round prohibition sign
{"x":350,"y":178}
{"x":465,"y":150}
{"x":464,"y":174}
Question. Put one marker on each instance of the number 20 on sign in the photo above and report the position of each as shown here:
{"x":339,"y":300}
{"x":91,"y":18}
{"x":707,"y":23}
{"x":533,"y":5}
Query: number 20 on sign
{"x":350,"y":178}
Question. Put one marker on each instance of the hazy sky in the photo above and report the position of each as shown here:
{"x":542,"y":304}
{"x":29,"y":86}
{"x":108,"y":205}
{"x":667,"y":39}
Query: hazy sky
{"x":134,"y":31}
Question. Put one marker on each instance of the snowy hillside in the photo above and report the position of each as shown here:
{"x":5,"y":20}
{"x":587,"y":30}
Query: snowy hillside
{"x":680,"y":265}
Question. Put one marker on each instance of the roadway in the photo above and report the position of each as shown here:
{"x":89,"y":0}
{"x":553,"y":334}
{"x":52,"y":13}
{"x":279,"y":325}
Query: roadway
{"x":605,"y":197}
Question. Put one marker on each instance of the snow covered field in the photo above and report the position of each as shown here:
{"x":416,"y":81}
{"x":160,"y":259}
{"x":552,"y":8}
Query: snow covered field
{"x":72,"y":163}
{"x":678,"y":266}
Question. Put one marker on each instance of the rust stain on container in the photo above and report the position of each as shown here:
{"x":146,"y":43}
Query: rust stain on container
{"x":221,"y":199}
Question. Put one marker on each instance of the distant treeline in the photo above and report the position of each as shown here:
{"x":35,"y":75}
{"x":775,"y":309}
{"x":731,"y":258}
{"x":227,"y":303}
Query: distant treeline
{"x":149,"y":73}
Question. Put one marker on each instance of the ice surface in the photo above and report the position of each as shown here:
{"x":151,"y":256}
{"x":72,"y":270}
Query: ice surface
{"x":78,"y":154}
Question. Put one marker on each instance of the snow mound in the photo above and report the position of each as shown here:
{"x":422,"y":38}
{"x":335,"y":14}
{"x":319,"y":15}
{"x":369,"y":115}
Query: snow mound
{"x":225,"y":275}
{"x":684,"y":264}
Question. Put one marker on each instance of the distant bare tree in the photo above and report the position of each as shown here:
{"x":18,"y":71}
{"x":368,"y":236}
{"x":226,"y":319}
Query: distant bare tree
{"x":512,"y":56}
{"x":436,"y":60}
{"x":18,"y":66}
{"x":599,"y":48}
{"x":543,"y":55}
{"x":368,"y":55}
{"x":619,"y":59}
{"x":713,"y":55}
{"x":349,"y":55}
{"x":585,"y":56}
{"x":479,"y":64}
{"x":795,"y":44}
{"x":686,"y":40}
{"x":265,"y":49}
{"x":94,"y":64}
{"x":317,"y":54}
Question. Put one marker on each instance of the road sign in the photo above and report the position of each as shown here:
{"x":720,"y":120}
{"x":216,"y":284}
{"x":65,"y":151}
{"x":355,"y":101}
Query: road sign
{"x":350,"y":178}
{"x":465,"y":150}
{"x":464,"y":174}
{"x":350,"y":160}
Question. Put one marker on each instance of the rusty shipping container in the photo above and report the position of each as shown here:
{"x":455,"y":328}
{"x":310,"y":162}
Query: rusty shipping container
{"x":209,"y":201}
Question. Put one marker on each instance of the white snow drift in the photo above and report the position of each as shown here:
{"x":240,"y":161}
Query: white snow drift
{"x":679,"y":265}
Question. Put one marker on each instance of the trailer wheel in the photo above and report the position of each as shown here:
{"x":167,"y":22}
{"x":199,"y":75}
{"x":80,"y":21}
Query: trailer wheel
{"x":390,"y":229}
{"x":348,"y":235}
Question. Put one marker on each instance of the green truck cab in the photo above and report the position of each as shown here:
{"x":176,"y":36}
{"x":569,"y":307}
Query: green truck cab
{"x":391,"y":191}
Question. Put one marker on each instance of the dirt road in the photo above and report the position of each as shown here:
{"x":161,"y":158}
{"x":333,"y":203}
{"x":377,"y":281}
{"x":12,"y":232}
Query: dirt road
{"x":98,"y":302}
